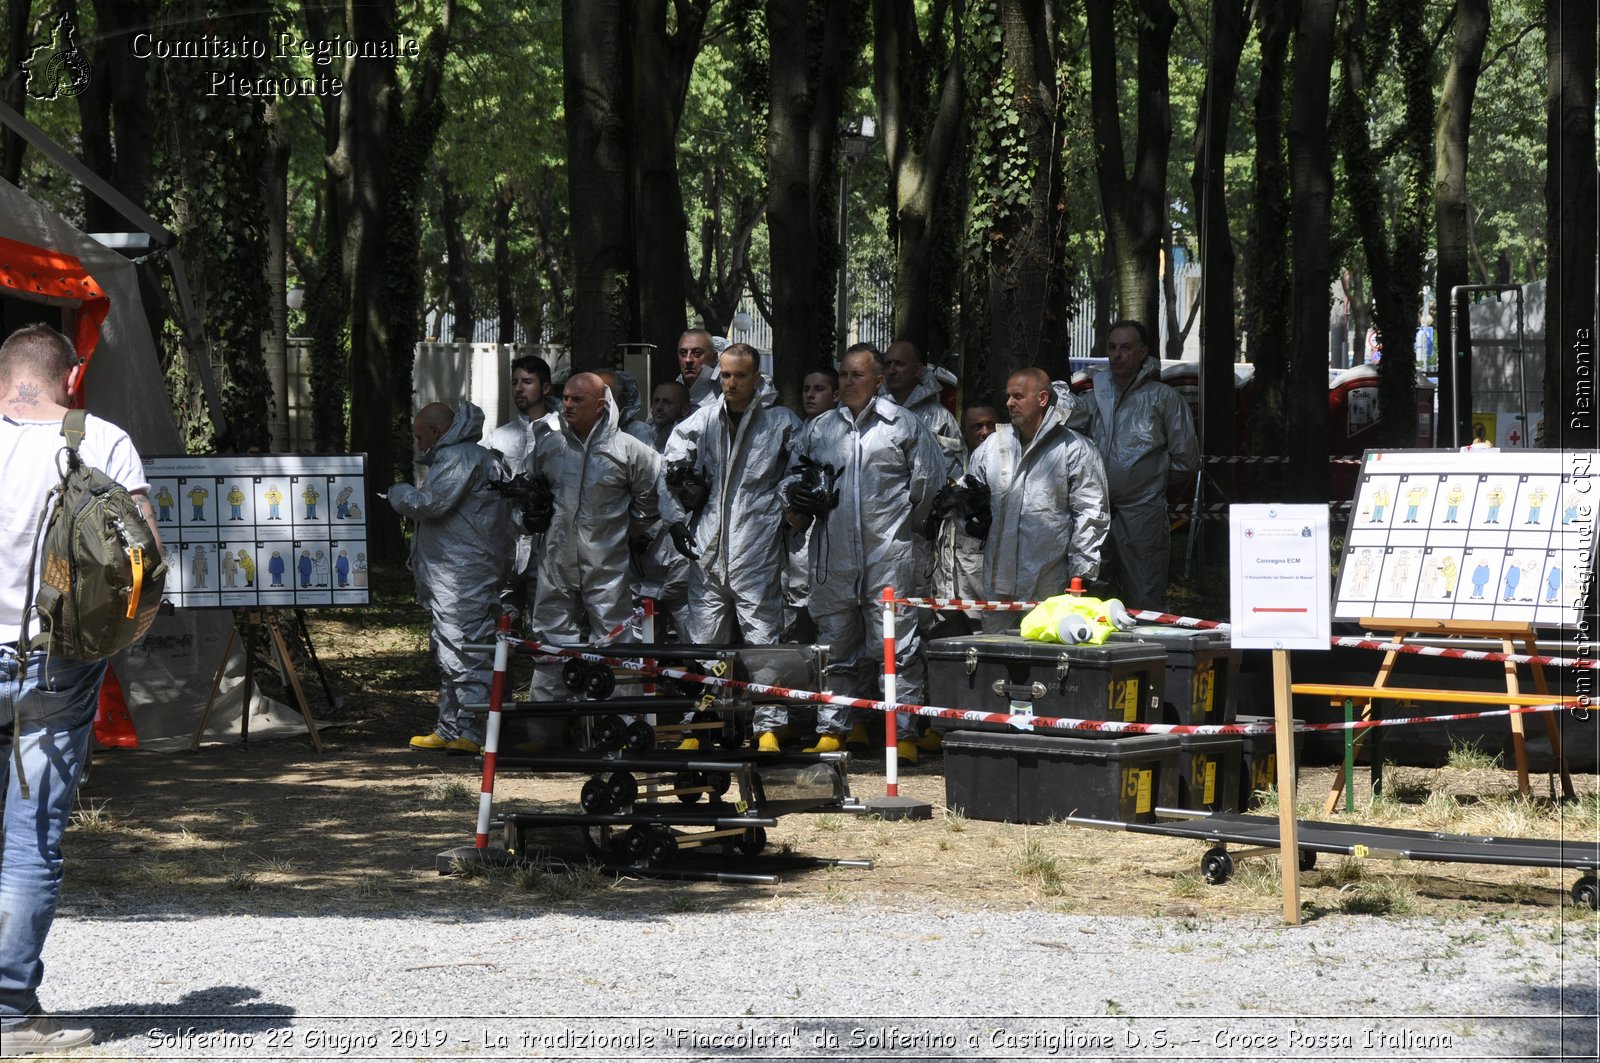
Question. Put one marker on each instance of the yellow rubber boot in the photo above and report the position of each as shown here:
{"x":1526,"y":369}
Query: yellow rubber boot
{"x":932,"y":742}
{"x":689,"y":745}
{"x":429,"y":741}
{"x":767,"y":742}
{"x":858,"y":737}
{"x":463,"y":745}
{"x":906,"y":752}
{"x":826,"y":744}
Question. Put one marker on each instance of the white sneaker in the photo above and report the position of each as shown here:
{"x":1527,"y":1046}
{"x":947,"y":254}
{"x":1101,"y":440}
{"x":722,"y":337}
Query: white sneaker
{"x":40,"y":1034}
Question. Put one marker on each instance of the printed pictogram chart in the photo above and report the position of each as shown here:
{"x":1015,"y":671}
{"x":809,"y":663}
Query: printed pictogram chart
{"x":262,"y":530}
{"x":1481,"y":535}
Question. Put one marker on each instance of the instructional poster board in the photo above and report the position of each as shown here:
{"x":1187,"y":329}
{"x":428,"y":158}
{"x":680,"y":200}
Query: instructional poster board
{"x":1278,"y":576}
{"x":1476,"y":535}
{"x":262,"y":530}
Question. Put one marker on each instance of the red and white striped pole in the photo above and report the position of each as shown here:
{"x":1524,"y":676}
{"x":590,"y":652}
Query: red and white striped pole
{"x":491,"y":735}
{"x":891,"y":720}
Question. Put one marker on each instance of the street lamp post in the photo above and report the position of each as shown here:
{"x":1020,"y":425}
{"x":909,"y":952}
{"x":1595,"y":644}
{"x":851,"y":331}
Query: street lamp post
{"x":854,"y":140}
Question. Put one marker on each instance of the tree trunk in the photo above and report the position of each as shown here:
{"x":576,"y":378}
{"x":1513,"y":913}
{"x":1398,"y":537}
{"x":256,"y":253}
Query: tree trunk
{"x":555,"y":280}
{"x":1267,"y":282}
{"x":594,"y":45}
{"x":1135,"y":207}
{"x":802,"y":172}
{"x":1218,"y":428}
{"x":463,"y":315}
{"x":1452,"y":221}
{"x":1311,"y":203}
{"x":1027,"y":269}
{"x":1569,"y":379}
{"x":115,"y":111}
{"x":275,"y":203}
{"x":662,"y":61}
{"x":505,"y":304}
{"x":13,"y":89}
{"x":1392,"y":244}
{"x":916,"y":177}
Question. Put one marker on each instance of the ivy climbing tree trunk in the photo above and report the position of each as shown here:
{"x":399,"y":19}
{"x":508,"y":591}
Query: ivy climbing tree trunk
{"x":505,"y":304}
{"x":1569,"y":379}
{"x":1310,"y":208}
{"x":1267,"y":282}
{"x":1388,"y":35}
{"x":920,"y":137}
{"x":663,"y":58}
{"x":810,"y":46}
{"x":114,"y":110}
{"x":327,"y":299}
{"x":275,"y":210}
{"x":1218,"y":427}
{"x":1452,"y":223}
{"x":1134,"y":204}
{"x":1027,"y":270}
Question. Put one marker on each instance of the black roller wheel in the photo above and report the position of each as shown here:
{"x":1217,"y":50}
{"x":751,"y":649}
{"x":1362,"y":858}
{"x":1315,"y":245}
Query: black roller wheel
{"x":575,"y":674}
{"x":1586,"y":891}
{"x":686,"y":780}
{"x":640,"y":737}
{"x":663,"y":846}
{"x":609,"y":733}
{"x":1216,"y":867}
{"x":752,"y":841}
{"x":598,"y":844}
{"x":623,"y":789}
{"x":636,"y":842}
{"x":602,"y":681}
{"x":1308,"y":859}
{"x":687,"y":688}
{"x":720,"y":782}
{"x":595,"y":797}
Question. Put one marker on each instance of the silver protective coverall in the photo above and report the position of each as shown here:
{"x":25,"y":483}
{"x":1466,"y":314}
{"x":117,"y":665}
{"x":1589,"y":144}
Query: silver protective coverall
{"x":514,"y":442}
{"x":460,"y":556}
{"x":1050,"y":509}
{"x":1146,"y":439}
{"x":737,"y":533}
{"x":605,"y":492}
{"x":889,"y":469}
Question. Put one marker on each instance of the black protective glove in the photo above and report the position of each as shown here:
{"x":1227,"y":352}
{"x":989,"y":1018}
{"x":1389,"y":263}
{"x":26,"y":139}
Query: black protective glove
{"x":681,"y":540}
{"x":639,"y":546}
{"x":978,"y":522}
{"x":812,"y":501}
{"x":688,"y":485}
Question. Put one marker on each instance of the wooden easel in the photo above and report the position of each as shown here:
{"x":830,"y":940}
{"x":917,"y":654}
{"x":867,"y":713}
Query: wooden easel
{"x":1513,"y":636}
{"x":247,"y":620}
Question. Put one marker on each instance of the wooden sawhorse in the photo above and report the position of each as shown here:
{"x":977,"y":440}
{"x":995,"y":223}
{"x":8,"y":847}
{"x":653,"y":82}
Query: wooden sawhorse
{"x":248,"y":620}
{"x":1512,"y":635}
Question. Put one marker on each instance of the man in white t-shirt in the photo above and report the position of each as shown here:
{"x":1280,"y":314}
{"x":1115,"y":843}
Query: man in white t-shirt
{"x":50,"y":745}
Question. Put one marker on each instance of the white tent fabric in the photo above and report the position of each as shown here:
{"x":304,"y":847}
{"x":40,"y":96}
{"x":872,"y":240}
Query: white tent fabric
{"x":167,"y":677}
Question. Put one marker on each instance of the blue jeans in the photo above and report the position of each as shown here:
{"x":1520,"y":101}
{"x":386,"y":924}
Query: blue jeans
{"x":56,"y":704}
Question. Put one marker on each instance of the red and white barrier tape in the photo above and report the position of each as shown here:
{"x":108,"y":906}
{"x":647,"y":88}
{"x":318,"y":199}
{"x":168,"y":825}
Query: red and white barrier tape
{"x":1024,"y":721}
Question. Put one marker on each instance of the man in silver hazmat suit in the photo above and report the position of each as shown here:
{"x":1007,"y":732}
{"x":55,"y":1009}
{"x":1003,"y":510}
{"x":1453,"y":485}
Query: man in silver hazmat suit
{"x":460,"y":556}
{"x":718,"y":487}
{"x":603,"y":483}
{"x":1047,"y":511}
{"x":869,"y":472}
{"x":1146,"y":438}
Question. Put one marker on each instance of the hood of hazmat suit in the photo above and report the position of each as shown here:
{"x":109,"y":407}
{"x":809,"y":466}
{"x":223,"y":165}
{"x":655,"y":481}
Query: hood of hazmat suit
{"x":1050,"y":509}
{"x":924,"y":402}
{"x":889,"y":469}
{"x":462,"y":548}
{"x":1145,"y":435}
{"x":736,"y":531}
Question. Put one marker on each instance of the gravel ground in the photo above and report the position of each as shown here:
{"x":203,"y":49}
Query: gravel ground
{"x":813,"y":982}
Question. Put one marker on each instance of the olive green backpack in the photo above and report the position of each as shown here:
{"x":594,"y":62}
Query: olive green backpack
{"x":101,"y":570}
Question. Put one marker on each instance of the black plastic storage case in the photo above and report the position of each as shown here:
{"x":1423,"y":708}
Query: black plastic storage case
{"x":1208,"y":773}
{"x":1034,"y":778}
{"x":1258,"y":766}
{"x":1011,"y":674}
{"x":1202,"y":672}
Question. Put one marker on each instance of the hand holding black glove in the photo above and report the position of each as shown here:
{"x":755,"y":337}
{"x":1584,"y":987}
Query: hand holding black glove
{"x":812,"y":501}
{"x":978,"y":521}
{"x":681,"y":540}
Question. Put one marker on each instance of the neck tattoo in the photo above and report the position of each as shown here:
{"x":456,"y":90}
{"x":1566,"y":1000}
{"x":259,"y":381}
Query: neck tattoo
{"x":28,"y":395}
